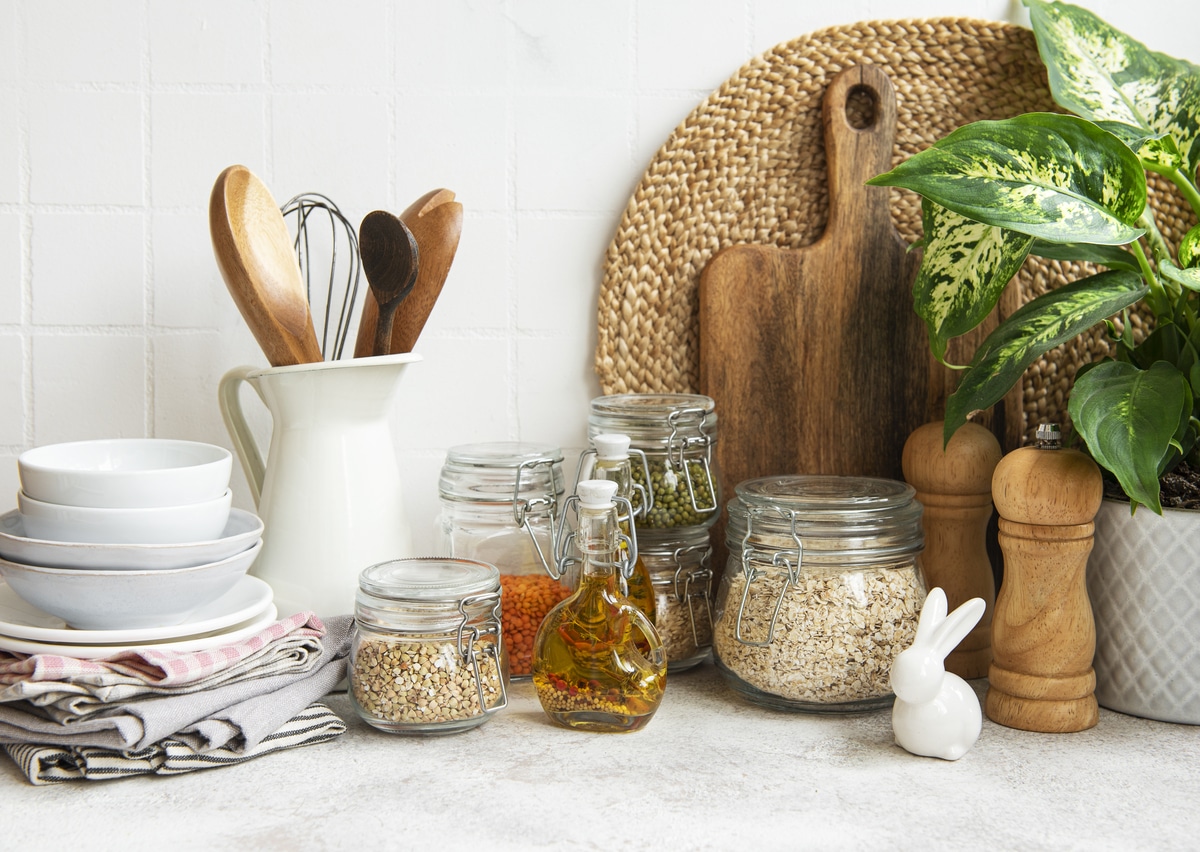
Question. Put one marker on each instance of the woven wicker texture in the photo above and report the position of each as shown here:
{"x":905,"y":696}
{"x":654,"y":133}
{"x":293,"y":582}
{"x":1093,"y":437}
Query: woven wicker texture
{"x":748,"y":166}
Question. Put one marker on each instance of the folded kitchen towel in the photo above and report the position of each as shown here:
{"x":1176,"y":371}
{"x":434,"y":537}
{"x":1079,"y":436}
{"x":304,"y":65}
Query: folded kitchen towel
{"x":48,"y":764}
{"x":234,"y":715}
{"x":70,"y":689}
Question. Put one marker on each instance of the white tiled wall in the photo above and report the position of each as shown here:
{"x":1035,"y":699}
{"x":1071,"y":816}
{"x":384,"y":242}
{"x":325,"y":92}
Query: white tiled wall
{"x":117,"y":115}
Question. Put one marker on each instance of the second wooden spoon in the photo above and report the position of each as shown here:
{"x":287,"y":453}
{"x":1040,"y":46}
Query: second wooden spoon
{"x":390,"y":258}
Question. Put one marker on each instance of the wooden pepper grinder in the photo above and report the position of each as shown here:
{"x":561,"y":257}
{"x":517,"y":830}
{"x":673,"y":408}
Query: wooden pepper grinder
{"x":954,"y":484}
{"x":1043,"y":634}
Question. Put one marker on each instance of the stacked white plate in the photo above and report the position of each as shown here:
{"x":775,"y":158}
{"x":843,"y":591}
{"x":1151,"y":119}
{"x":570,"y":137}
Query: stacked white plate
{"x":245,"y":609}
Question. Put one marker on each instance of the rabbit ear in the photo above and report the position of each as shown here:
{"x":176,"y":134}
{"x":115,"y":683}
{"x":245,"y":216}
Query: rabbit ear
{"x":957,"y":625}
{"x":933,"y":612}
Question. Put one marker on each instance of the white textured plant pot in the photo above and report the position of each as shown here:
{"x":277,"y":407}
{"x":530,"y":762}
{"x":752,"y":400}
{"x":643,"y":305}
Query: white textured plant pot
{"x":1142,"y":581}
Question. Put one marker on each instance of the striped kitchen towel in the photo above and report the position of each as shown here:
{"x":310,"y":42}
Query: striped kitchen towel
{"x":51,"y":764}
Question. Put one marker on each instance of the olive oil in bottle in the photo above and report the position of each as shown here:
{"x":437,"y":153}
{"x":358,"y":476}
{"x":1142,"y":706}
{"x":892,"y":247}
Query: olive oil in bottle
{"x":598,"y":663}
{"x":613,"y":464}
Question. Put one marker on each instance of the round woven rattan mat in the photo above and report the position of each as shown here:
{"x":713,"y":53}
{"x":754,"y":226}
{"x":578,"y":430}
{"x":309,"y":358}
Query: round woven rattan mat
{"x":748,"y":166}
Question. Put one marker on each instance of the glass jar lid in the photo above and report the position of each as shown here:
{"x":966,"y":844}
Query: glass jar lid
{"x":655,"y":419}
{"x":428,"y":593}
{"x":502,"y":472}
{"x":830,"y":519}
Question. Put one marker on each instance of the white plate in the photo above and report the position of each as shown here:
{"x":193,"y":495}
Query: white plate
{"x":241,"y":531}
{"x":203,"y":642}
{"x":21,"y":620}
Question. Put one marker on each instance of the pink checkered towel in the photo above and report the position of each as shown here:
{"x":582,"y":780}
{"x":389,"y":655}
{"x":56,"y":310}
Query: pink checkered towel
{"x":69,"y":689}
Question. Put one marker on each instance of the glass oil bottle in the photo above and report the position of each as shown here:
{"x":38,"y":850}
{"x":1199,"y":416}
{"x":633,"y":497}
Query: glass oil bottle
{"x":598,"y":662}
{"x":612,"y":462}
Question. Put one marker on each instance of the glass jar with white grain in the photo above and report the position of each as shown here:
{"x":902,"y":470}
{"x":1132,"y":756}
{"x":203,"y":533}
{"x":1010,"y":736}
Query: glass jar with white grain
{"x":821,"y":591}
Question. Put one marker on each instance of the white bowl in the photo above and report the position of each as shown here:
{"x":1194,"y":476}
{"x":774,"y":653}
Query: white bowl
{"x":160,"y":525}
{"x":241,"y":531}
{"x":125,"y":473}
{"x":122,"y":600}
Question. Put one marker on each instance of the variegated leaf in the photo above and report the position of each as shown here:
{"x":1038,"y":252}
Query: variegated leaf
{"x":1189,"y":248}
{"x":1112,"y":257}
{"x":965,"y":268}
{"x":1153,"y":149}
{"x":1031,"y":331}
{"x":1051,"y":176}
{"x":1189,"y":278}
{"x":1100,"y":73}
{"x":1131,"y":419}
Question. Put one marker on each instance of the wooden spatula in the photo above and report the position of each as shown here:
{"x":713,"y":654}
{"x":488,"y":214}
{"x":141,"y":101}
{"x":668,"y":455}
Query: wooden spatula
{"x":815,"y":358}
{"x":435,"y":220}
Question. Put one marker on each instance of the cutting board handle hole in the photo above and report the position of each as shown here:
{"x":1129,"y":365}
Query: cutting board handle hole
{"x":862,"y":106}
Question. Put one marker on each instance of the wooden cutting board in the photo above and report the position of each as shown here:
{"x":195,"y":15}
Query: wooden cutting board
{"x":814,"y":356}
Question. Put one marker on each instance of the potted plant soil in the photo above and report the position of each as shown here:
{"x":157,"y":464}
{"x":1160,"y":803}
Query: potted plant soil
{"x":1073,"y":187}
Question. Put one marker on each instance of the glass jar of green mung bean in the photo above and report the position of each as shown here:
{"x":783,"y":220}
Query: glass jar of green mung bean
{"x":678,"y":434}
{"x":427,"y":655}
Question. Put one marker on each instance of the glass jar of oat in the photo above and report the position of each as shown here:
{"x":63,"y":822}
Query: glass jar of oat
{"x":427,"y":655}
{"x":677,"y":433}
{"x":680,"y":569}
{"x":499,"y":504}
{"x":822,"y":589}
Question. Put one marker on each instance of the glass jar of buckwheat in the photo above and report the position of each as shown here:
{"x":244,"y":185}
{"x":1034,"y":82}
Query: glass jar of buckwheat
{"x":427,"y":655}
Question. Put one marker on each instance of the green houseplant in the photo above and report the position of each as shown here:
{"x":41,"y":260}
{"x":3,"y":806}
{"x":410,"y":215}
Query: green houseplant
{"x":1073,"y":187}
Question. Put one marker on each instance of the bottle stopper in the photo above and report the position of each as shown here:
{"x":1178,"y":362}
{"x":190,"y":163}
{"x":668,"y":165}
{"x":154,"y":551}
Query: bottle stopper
{"x":596,"y":493}
{"x":611,"y":446}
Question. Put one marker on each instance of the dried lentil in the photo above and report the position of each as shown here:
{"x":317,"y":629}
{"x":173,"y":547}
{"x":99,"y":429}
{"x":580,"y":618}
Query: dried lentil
{"x":835,"y":638}
{"x":526,"y":599}
{"x":422,"y":683}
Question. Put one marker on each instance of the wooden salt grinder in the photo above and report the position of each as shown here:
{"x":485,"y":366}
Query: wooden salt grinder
{"x":1043,"y":635}
{"x":954,"y":484}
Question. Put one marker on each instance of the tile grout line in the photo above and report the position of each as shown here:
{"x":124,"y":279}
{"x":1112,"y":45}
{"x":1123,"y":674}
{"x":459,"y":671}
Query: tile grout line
{"x":511,"y":268}
{"x":148,"y":306}
{"x":24,"y":194}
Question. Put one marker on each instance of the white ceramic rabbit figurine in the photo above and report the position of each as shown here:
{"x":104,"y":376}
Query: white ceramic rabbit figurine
{"x":936,"y":713}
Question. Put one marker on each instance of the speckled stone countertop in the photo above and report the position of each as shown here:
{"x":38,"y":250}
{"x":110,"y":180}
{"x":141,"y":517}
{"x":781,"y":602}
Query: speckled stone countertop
{"x":710,"y":772}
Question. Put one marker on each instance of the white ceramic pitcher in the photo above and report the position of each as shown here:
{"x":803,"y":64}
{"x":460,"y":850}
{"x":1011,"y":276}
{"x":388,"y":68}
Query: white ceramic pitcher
{"x":329,"y":491}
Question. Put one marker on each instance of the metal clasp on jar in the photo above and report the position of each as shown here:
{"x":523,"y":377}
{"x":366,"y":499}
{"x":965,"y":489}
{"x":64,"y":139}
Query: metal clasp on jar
{"x":468,"y":637}
{"x":692,"y":583}
{"x":780,"y":558}
{"x":626,"y":543}
{"x":522,"y":507}
{"x":677,"y":447}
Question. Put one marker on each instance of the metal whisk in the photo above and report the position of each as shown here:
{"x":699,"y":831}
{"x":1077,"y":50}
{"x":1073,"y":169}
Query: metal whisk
{"x":341,"y":291}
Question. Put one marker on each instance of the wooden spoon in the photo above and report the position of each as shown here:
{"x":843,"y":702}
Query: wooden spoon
{"x":255,"y":256}
{"x":435,"y":219}
{"x":391,"y":259}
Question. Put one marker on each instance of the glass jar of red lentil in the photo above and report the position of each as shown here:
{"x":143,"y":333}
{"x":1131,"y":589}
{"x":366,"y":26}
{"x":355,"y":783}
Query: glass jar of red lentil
{"x":499,"y":504}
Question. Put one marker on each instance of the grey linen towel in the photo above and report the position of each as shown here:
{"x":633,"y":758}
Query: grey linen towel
{"x":48,"y":764}
{"x":235,"y":716}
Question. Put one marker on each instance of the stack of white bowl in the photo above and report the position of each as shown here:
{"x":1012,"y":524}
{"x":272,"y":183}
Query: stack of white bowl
{"x":130,"y":536}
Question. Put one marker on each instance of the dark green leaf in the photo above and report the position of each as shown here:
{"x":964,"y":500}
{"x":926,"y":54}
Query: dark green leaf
{"x":1100,"y":73}
{"x":1051,"y":176}
{"x":965,"y":268}
{"x":1113,"y":257}
{"x":1031,"y":331}
{"x":1128,"y":418}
